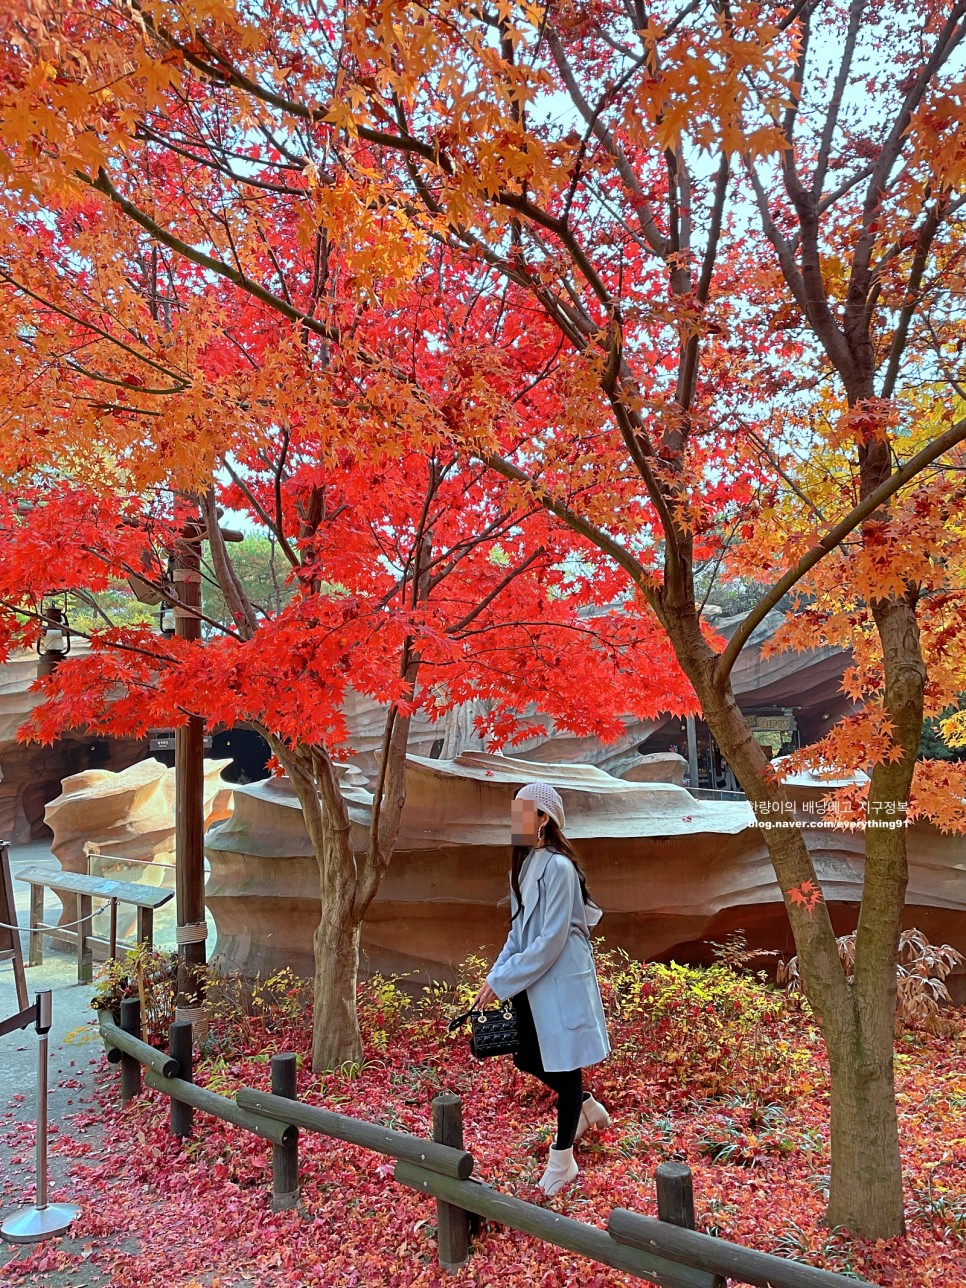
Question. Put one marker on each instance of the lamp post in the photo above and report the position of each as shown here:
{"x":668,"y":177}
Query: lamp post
{"x":182,"y":618}
{"x":692,"y":751}
{"x":189,"y":777}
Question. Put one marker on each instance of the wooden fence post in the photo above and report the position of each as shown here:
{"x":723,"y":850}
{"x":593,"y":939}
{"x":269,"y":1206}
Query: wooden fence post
{"x":130,"y":1066}
{"x":285,"y":1158}
{"x":180,"y":1043}
{"x":452,"y":1223}
{"x":85,"y":956}
{"x":675,"y":1194}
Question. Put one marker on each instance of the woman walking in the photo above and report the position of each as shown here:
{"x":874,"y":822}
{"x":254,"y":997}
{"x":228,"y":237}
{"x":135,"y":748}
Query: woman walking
{"x":546,"y":969}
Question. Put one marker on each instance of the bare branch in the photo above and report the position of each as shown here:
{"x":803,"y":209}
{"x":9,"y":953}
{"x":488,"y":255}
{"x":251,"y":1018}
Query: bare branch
{"x":856,"y":10}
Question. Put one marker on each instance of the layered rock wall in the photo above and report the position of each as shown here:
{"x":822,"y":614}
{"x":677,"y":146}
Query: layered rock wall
{"x":672,"y":873}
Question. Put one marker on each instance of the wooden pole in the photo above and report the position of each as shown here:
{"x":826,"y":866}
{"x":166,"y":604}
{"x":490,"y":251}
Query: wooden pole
{"x":130,"y":1065}
{"x":189,"y":777}
{"x":10,"y":948}
{"x":209,"y":1102}
{"x":36,"y":940}
{"x":675,"y":1194}
{"x":452,"y":1223}
{"x":553,"y":1227}
{"x":716,"y":1256}
{"x":381,"y":1140}
{"x":180,"y":1043}
{"x":85,"y":956}
{"x":119,"y":1043}
{"x":692,"y":752}
{"x":285,"y":1157}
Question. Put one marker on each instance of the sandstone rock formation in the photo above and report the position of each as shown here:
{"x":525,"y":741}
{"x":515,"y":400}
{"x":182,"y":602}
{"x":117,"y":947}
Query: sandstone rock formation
{"x":657,"y":767}
{"x":672,"y":873}
{"x":454,"y":733}
{"x":129,"y":814}
{"x":263,"y":886}
{"x":30,"y":775}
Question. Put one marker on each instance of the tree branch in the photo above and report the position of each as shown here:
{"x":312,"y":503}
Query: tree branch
{"x":910,"y":303}
{"x":834,"y":537}
{"x":103,"y":185}
{"x":645,"y":581}
{"x":856,"y":10}
{"x":471,"y":616}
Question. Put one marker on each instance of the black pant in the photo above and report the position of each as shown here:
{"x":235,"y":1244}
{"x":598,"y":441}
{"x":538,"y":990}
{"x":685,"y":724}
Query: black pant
{"x":569,"y":1086}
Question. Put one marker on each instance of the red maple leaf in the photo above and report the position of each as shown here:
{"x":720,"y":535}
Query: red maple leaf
{"x":807,"y":895}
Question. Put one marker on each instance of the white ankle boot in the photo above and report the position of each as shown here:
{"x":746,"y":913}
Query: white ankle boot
{"x":592,"y":1114}
{"x":561,"y":1170}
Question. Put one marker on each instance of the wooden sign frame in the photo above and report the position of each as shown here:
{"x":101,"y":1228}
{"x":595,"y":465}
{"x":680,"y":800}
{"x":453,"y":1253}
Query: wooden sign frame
{"x":10,"y":949}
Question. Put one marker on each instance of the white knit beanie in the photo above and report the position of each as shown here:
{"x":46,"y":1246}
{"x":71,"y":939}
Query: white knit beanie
{"x":546,"y":799}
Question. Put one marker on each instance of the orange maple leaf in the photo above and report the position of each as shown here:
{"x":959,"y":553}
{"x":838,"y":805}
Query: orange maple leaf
{"x":807,"y":895}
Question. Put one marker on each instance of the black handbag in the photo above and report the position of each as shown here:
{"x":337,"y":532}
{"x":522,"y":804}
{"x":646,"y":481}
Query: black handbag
{"x":495,"y":1031}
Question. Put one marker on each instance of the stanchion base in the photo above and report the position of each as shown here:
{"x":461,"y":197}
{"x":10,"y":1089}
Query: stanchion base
{"x":31,"y":1225}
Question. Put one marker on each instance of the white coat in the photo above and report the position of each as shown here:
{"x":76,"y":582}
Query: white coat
{"x":548,"y":953}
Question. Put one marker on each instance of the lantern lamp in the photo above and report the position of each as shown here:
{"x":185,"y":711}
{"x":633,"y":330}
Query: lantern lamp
{"x":54,"y":642}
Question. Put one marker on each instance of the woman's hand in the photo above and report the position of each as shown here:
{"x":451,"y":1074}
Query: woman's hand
{"x":483,"y":997}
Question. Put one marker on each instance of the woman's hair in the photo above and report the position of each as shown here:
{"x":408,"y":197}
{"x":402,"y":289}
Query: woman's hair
{"x":553,"y":839}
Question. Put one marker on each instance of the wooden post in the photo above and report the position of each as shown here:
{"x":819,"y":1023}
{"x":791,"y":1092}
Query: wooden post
{"x":180,"y":1043}
{"x":36,"y":951}
{"x":692,"y":753}
{"x":189,"y":786}
{"x":85,"y":955}
{"x":675,"y":1194}
{"x":10,"y":948}
{"x":130,"y":1067}
{"x":285,"y":1158}
{"x":145,"y":926}
{"x":452,"y":1223}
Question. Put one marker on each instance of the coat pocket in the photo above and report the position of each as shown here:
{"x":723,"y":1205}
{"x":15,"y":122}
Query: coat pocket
{"x":575,"y":997}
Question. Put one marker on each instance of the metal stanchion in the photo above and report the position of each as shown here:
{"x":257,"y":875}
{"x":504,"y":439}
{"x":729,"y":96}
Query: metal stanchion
{"x":43,"y":1220}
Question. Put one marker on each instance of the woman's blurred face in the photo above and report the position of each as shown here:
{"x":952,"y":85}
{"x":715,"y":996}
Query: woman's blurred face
{"x":525,"y":821}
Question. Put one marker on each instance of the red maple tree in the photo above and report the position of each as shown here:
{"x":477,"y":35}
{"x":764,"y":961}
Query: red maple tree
{"x":738,"y":250}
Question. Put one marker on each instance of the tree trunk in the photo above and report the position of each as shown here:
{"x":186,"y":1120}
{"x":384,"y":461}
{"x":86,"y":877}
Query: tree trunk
{"x":347,"y":882}
{"x":335,"y":1025}
{"x":857,"y":1023}
{"x":865,"y":1192}
{"x":866,"y":1187}
{"x":336,"y":1037}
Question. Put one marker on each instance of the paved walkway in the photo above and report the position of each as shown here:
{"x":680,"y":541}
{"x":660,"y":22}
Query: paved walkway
{"x":75,"y":1055}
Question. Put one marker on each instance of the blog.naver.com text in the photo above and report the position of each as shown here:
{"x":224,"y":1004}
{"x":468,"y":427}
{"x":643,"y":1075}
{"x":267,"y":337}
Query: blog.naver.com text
{"x":785,"y":814}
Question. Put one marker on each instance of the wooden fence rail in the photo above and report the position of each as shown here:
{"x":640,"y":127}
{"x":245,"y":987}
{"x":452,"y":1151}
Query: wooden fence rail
{"x":221,"y":1107}
{"x":665,"y":1250}
{"x":381,"y":1140}
{"x":562,"y":1231}
{"x":693,"y":1248}
{"x":127,"y":1044}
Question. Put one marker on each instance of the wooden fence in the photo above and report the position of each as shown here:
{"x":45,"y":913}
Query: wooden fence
{"x":665,"y":1250}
